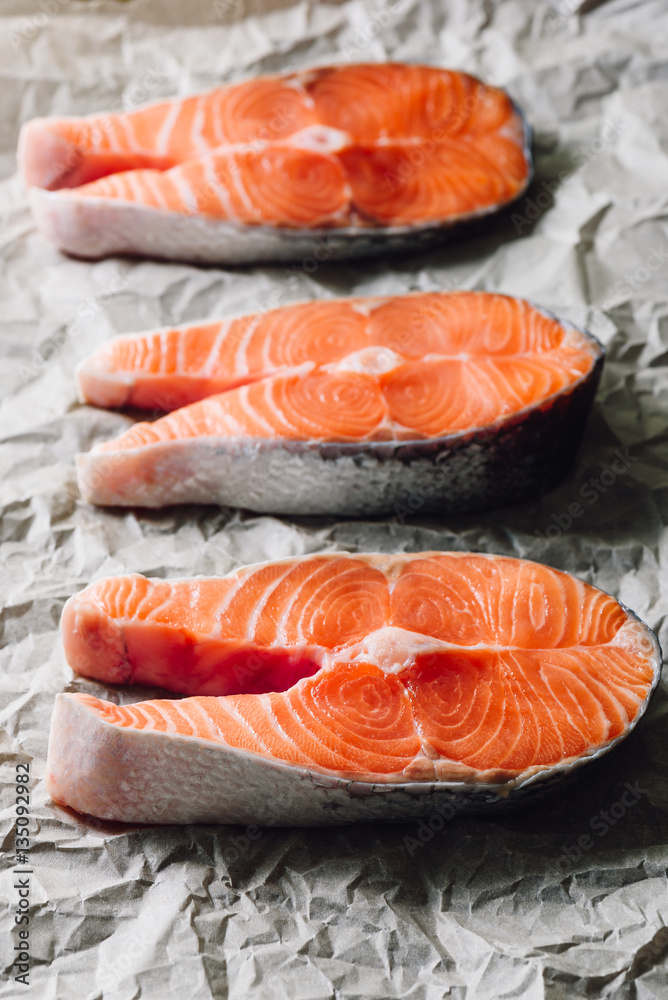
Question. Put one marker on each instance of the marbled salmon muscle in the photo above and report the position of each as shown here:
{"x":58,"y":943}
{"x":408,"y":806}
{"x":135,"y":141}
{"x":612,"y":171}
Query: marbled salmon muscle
{"x":463,"y":399}
{"x":347,"y":149}
{"x":311,"y":681}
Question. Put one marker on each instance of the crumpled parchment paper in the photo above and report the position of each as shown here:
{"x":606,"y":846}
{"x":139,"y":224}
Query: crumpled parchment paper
{"x":568,"y":899}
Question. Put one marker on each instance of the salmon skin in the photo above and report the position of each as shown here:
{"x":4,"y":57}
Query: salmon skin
{"x":454,"y":401}
{"x":334,"y":688}
{"x":332,"y":162}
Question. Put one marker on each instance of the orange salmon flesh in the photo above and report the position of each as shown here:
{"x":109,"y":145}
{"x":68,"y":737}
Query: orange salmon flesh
{"x":363,"y":145}
{"x":403,"y":367}
{"x":412,"y":667}
{"x":345,"y":406}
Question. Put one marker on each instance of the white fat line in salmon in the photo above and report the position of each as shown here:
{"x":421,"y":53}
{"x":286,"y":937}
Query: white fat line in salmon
{"x":233,"y":330}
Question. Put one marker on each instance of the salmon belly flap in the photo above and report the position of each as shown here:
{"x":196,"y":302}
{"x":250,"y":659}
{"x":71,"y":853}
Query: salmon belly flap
{"x":345,"y":406}
{"x":342,"y":149}
{"x":321,"y":675}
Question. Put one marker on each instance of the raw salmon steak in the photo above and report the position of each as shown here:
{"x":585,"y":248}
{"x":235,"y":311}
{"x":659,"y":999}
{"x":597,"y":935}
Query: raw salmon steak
{"x":433,"y":401}
{"x":335,"y":161}
{"x":333,"y":688}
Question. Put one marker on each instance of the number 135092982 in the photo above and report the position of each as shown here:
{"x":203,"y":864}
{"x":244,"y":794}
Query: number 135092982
{"x":22,"y":875}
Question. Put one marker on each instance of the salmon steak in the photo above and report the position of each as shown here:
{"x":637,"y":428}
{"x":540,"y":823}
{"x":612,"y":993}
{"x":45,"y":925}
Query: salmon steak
{"x":334,"y":161}
{"x":334,"y":688}
{"x":432,"y":401}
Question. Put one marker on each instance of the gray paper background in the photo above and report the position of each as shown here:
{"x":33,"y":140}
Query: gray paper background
{"x":483,"y":908}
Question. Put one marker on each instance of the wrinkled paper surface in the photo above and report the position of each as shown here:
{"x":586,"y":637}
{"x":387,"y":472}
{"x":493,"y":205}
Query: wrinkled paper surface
{"x":505,"y":906}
